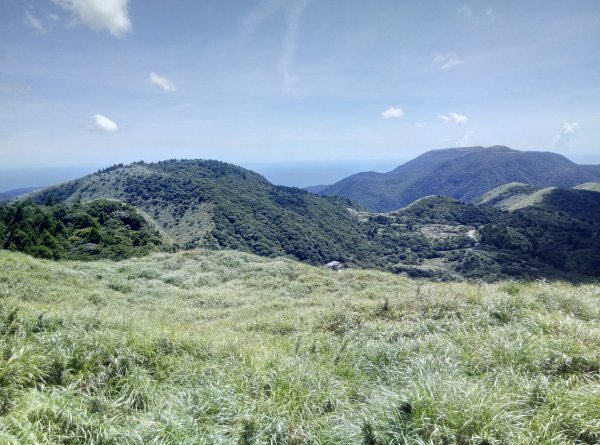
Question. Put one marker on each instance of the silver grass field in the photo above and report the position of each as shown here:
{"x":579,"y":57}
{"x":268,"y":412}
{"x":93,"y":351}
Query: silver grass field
{"x":206,"y":347}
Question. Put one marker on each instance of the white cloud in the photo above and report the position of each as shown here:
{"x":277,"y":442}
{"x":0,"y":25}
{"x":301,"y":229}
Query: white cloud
{"x":465,"y":141}
{"x":34,"y":22}
{"x":393,"y":113}
{"x":161,"y":81}
{"x":454,"y":118}
{"x":100,"y":15}
{"x":103,"y":123}
{"x":446,"y":61}
{"x":54,"y":17}
{"x":564,"y":138}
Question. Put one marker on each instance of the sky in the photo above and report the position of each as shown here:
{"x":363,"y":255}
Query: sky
{"x":300,"y":83}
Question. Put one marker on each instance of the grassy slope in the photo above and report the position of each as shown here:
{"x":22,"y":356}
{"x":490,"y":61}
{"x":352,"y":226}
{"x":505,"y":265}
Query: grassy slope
{"x":507,"y":195}
{"x":593,"y":186}
{"x":224,"y":347}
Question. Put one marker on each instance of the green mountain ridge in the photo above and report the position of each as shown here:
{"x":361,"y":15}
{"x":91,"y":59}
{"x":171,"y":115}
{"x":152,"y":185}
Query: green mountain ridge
{"x":218,"y":205}
{"x":221,"y":206}
{"x":463,"y":173}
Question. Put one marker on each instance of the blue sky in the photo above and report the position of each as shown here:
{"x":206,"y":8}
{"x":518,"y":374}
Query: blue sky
{"x":97,"y":82}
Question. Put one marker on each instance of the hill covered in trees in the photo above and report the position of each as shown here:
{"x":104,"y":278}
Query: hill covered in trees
{"x":219,"y":205}
{"x":462,"y":173}
{"x":95,"y":229}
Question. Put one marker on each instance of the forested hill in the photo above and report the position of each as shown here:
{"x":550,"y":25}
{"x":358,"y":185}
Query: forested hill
{"x":462,"y":173}
{"x":219,"y":205}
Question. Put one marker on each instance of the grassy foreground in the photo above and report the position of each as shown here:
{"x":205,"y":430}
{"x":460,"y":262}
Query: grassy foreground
{"x":227,"y":348}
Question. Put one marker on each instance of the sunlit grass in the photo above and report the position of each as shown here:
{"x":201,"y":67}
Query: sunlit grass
{"x":209,"y":347}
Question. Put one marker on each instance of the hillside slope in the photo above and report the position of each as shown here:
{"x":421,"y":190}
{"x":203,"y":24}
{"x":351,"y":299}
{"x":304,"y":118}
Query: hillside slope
{"x":560,"y":226}
{"x":593,"y":186}
{"x":462,"y":173}
{"x":226,"y":347}
{"x":214,"y":204}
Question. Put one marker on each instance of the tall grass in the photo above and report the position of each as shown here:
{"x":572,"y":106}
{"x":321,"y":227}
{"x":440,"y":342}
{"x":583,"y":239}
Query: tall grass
{"x":227,"y":348}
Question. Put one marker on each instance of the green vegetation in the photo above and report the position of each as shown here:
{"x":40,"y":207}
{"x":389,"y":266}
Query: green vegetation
{"x":561,"y":227}
{"x":221,"y":206}
{"x":463,"y":173}
{"x":206,"y":347}
{"x":96,"y":229}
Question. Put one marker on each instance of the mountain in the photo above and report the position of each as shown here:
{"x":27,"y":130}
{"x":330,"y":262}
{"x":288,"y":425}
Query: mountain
{"x":219,"y":205}
{"x":462,"y":173}
{"x":212,"y":204}
{"x":15,"y":193}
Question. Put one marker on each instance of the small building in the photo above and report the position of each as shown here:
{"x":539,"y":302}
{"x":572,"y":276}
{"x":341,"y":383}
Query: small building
{"x":335,"y":265}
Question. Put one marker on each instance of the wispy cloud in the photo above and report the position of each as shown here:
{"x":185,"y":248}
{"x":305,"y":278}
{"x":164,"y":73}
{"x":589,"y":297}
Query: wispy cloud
{"x":293,"y":18}
{"x":393,"y":112}
{"x":161,"y":82}
{"x":100,"y":15}
{"x":465,"y":141}
{"x":476,"y":17}
{"x":292,"y":11}
{"x":259,"y":15}
{"x":102,"y":123}
{"x":565,"y":137}
{"x":446,"y":61}
{"x":34,"y":22}
{"x":453,"y":118}
{"x":465,"y":10}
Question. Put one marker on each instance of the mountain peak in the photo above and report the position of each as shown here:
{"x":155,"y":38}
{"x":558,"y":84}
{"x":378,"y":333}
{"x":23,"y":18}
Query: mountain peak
{"x":465,"y":173}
